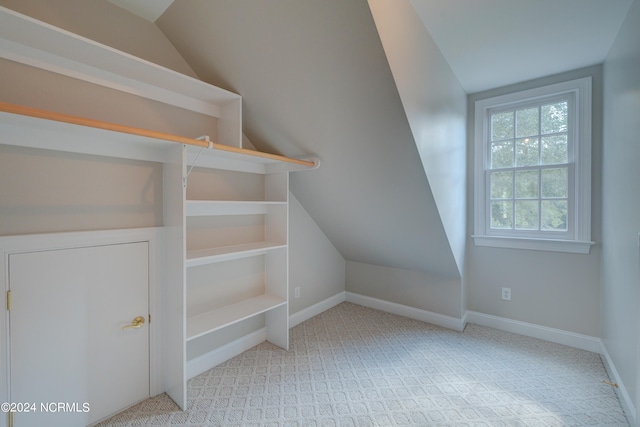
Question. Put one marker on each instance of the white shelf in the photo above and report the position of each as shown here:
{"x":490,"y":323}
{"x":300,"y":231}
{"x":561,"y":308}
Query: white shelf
{"x":205,"y":323}
{"x":29,"y":41}
{"x":227,"y":253}
{"x":211,"y":208}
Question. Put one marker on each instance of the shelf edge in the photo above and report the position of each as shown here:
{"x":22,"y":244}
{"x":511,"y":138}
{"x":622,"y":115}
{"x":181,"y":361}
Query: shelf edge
{"x":273,"y":305}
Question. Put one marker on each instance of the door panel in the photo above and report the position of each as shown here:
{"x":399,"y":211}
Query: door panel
{"x":67,"y":345}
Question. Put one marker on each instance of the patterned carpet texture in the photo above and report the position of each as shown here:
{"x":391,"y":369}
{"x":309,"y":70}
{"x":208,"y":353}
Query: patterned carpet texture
{"x":354,"y":366}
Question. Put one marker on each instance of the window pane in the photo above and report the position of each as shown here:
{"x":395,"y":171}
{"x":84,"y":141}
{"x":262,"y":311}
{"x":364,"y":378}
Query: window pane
{"x":501,"y":154}
{"x":527,"y":214}
{"x":527,"y":184}
{"x":555,"y":182}
{"x":527,"y":122}
{"x":501,"y":214}
{"x":527,"y":151}
{"x":554,"y":215}
{"x":554,"y":117}
{"x":554,"y":150}
{"x":502,"y":126}
{"x":501,"y":185}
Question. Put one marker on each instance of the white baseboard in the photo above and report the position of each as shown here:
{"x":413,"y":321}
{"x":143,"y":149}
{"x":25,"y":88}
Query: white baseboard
{"x":621,"y":391}
{"x":307,"y":313}
{"x":558,"y":336}
{"x":406,"y":311}
{"x":209,"y":360}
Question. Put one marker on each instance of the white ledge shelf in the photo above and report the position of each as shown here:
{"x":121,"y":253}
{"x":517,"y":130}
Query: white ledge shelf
{"x":212,"y":208}
{"x":211,"y":321}
{"x":36,"y":43}
{"x":227,"y":253}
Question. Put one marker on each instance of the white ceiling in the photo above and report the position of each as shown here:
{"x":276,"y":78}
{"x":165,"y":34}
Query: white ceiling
{"x":492,"y":43}
{"x":147,"y":9}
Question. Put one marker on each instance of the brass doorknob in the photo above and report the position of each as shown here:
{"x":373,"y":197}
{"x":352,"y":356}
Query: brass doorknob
{"x":136,"y":323}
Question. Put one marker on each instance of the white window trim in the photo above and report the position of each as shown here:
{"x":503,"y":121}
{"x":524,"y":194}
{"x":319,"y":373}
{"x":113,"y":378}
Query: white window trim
{"x":582,"y":171}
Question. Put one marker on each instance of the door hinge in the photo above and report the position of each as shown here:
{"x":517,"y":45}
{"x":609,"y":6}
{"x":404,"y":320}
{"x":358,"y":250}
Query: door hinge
{"x":8,"y":300}
{"x":149,"y":317}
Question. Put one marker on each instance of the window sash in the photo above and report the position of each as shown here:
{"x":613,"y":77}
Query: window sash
{"x":570,"y":98}
{"x":539,"y":232}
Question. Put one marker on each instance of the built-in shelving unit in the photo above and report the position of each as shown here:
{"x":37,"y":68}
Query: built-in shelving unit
{"x":225,"y":208}
{"x":237,"y":232}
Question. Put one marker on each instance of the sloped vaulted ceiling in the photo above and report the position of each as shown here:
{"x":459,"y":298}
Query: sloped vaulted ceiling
{"x":314,"y":79}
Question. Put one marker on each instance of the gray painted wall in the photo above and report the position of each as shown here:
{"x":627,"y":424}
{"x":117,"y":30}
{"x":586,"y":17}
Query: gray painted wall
{"x":435,"y":104}
{"x":52,"y":191}
{"x":621,"y":204}
{"x":419,"y":289}
{"x":315,"y":265}
{"x":551,"y":289}
{"x":435,"y":108}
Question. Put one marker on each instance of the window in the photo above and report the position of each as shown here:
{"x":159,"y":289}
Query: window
{"x":533,"y":169}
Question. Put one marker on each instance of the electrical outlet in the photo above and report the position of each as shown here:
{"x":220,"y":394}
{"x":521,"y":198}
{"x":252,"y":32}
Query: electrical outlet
{"x":506,"y":294}
{"x":296,"y":292}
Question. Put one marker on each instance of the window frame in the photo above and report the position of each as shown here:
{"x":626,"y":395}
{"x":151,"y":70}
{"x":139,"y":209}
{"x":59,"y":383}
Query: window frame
{"x":578,"y":239}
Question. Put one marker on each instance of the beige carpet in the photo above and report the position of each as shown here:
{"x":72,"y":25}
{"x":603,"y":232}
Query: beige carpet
{"x":353,"y":366}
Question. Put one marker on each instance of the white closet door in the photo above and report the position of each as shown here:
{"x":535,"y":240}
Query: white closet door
{"x":67,"y":345}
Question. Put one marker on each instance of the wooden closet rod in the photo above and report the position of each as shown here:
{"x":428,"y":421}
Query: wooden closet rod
{"x":98,"y":124}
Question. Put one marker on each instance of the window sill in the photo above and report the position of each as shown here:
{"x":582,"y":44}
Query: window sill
{"x":569,"y":246}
